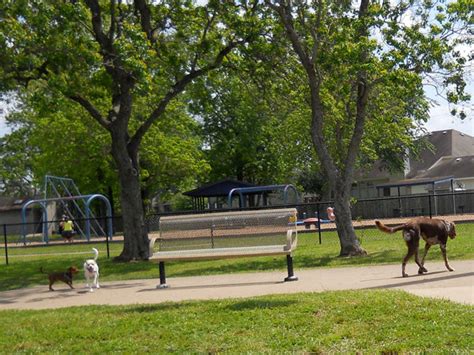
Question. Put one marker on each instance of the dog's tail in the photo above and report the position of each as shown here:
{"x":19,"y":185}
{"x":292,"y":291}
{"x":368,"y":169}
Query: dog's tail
{"x":41,"y":270}
{"x":386,"y":229}
{"x":96,"y":252}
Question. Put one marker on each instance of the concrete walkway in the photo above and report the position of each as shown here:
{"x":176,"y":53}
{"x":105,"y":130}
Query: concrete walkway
{"x":456,"y":286}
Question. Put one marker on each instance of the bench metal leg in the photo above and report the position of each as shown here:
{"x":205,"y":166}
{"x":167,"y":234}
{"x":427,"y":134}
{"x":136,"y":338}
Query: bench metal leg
{"x":162,"y":276}
{"x":291,"y":275}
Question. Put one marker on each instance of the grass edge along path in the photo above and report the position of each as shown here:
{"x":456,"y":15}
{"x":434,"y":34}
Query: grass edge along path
{"x":23,"y":271}
{"x":328,"y":322}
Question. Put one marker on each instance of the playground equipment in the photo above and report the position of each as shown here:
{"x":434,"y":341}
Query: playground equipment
{"x":260,"y":189}
{"x":74,"y":205}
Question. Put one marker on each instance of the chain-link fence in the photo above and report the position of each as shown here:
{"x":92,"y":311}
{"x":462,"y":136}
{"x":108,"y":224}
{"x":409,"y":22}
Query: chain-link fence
{"x":23,"y":239}
{"x":44,"y":238}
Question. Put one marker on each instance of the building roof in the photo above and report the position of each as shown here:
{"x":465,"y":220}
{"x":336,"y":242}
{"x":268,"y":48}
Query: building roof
{"x":453,"y":154}
{"x":8,"y":203}
{"x":217,"y":189}
{"x":459,"y":167}
{"x":446,"y":144}
{"x":414,"y":182}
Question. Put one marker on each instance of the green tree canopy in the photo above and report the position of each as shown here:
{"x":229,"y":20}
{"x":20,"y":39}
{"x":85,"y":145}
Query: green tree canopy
{"x":123,"y":63}
{"x":53,"y":137}
{"x":364,"y":68}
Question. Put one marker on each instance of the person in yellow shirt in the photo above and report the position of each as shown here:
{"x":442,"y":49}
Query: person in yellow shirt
{"x":67,"y":229}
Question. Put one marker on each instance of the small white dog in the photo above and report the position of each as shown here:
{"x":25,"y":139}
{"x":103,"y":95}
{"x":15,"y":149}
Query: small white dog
{"x":91,"y":271}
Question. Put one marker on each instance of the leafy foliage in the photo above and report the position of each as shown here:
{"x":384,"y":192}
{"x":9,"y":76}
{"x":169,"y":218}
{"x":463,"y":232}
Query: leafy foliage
{"x":364,"y":64}
{"x":56,"y":139}
{"x":345,"y":77}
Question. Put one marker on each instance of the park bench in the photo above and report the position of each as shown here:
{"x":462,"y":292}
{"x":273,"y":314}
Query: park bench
{"x":225,"y":235}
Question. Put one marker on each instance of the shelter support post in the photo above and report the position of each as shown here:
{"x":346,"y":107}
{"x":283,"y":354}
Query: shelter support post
{"x":244,"y":191}
{"x":454,"y":196}
{"x":399,"y":202}
{"x":429,"y":205}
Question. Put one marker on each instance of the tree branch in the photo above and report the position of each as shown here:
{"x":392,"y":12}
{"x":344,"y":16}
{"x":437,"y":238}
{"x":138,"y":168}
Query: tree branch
{"x":112,"y":21}
{"x":203,"y":37}
{"x":284,"y":11}
{"x":315,"y":33}
{"x":177,"y":88}
{"x":123,"y":80}
{"x":87,"y":105}
{"x":145,"y":19}
{"x":97,"y":27}
{"x":361,"y":103}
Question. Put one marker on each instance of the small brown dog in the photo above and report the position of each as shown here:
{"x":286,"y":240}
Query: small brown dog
{"x":432,"y":230}
{"x":61,"y":276}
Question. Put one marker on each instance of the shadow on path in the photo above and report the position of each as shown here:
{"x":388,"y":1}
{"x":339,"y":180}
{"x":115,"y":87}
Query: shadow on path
{"x":422,"y":281}
{"x":213,"y":286}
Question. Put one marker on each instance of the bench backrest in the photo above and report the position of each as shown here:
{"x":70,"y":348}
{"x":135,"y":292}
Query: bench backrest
{"x":226,"y":229}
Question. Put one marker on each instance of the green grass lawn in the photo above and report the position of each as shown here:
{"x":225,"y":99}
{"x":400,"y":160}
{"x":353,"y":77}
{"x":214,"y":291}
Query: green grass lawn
{"x":25,"y":262}
{"x":331,"y":322}
{"x":375,"y":321}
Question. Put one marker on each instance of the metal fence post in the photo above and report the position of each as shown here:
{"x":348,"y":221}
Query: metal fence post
{"x":107,"y":235}
{"x":6,"y":243}
{"x":429,"y":205}
{"x":319,"y":222}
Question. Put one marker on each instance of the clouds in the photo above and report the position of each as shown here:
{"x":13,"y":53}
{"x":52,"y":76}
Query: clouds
{"x":3,"y":127}
{"x":441,"y":119}
{"x":440,"y":115}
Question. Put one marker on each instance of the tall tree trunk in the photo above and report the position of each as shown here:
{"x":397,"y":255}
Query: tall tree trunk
{"x":340,"y":177}
{"x":136,"y":243}
{"x":350,"y":245}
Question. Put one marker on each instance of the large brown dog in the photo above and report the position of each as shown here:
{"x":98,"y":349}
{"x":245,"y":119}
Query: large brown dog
{"x":433,"y":231}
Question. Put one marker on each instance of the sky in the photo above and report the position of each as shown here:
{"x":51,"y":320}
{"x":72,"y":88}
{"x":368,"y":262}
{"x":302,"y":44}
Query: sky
{"x":441,"y":119}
